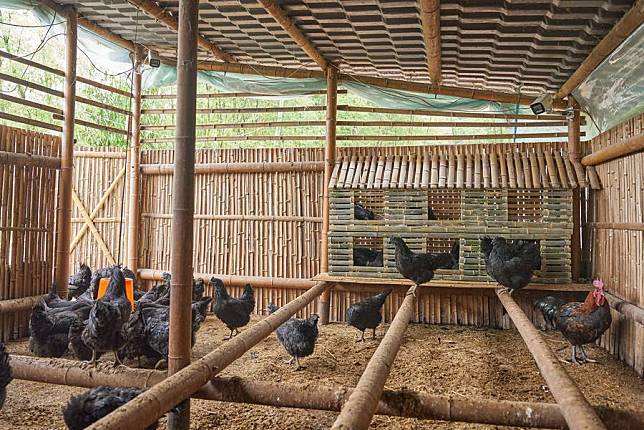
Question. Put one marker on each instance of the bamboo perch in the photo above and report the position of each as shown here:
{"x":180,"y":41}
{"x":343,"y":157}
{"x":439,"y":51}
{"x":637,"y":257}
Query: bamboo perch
{"x":146,"y":408}
{"x":358,"y":411}
{"x":430,"y":18}
{"x":229,"y":168}
{"x":155,"y":11}
{"x":620,"y":31}
{"x":575,"y":408}
{"x":629,"y":146}
{"x":403,"y":403}
{"x":18,"y":159}
{"x":238,"y":281}
{"x":285,"y":21}
{"x":18,"y":305}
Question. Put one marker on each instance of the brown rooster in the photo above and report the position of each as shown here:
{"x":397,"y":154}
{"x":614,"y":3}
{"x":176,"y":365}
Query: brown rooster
{"x":579,"y":322}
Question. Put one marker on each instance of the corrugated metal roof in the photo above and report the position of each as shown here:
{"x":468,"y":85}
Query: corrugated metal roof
{"x":505,"y":45}
{"x":518,"y":170}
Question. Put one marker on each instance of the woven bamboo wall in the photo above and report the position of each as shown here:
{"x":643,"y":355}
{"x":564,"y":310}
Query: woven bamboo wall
{"x":99,"y":181}
{"x":617,"y":233}
{"x":27,"y":226}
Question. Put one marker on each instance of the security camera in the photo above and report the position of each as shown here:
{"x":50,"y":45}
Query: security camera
{"x":542,"y":104}
{"x":153,"y":59}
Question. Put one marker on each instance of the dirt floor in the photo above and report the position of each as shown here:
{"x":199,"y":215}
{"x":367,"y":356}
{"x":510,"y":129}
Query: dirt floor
{"x":445,"y":360}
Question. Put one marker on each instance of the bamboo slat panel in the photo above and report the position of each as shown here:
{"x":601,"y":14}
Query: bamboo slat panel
{"x":617,"y":245}
{"x":99,"y":184}
{"x":27,"y":228}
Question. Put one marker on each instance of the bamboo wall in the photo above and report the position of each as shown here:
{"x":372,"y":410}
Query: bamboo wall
{"x":99,"y":181}
{"x":27,"y":225}
{"x":616,"y":227}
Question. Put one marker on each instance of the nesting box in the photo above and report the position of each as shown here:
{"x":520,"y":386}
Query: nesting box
{"x":436,"y":198}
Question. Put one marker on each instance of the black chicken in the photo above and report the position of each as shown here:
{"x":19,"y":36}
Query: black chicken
{"x":579,"y":322}
{"x":80,"y":350}
{"x":548,"y":306}
{"x":158,"y":291}
{"x":80,"y":281}
{"x":420,"y":267}
{"x":367,"y":257}
{"x":366,"y":314}
{"x":5,"y":374}
{"x":235,"y":313}
{"x":511,"y":263}
{"x":297,"y":336}
{"x":49,"y":328}
{"x":198,"y":287}
{"x":108,"y":315}
{"x":85,"y":409}
{"x":361,"y":212}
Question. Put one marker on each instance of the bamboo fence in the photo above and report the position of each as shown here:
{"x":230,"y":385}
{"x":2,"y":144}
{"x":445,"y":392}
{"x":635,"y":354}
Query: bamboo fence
{"x":27,"y":226}
{"x":616,"y":228}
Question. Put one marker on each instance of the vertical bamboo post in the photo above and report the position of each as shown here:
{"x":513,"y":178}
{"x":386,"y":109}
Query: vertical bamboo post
{"x":183,"y":203}
{"x":64,"y":218}
{"x":574,"y":152}
{"x":329,"y":164}
{"x":134,"y":216}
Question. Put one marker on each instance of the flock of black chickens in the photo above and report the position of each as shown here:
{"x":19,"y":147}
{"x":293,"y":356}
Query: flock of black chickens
{"x":88,"y":326}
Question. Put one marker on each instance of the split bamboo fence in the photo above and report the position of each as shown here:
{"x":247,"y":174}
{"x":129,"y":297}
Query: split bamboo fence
{"x":27,"y":204}
{"x":616,"y":229}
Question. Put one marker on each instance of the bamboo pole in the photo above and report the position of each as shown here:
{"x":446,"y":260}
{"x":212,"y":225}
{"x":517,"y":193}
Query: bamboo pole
{"x":183,"y":203}
{"x":403,"y":403}
{"x":329,"y":163}
{"x":146,"y":408}
{"x":24,"y":160}
{"x":238,"y":280}
{"x":292,"y":30}
{"x":629,"y":146}
{"x":29,"y":121}
{"x":64,"y":217}
{"x":358,"y":411}
{"x":228,"y":95}
{"x":173,"y":111}
{"x":18,"y":305}
{"x":230,"y":168}
{"x":29,"y":103}
{"x":575,"y":408}
{"x":620,"y":31}
{"x":134,"y":215}
{"x":574,"y":152}
{"x":155,"y":11}
{"x":430,"y":18}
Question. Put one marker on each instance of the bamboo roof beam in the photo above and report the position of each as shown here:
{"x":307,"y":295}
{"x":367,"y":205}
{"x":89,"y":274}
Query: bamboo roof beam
{"x":629,"y":146}
{"x":430,"y":18}
{"x":296,"y":34}
{"x":620,"y":31}
{"x":155,"y":11}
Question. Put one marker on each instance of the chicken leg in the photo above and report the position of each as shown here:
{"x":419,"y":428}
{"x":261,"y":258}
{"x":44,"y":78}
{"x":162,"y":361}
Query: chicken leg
{"x":297,"y":364}
{"x":361,"y":337}
{"x":230,"y":336}
{"x":584,"y":357}
{"x":117,"y":360}
{"x":93,"y":360}
{"x":374,"y":334}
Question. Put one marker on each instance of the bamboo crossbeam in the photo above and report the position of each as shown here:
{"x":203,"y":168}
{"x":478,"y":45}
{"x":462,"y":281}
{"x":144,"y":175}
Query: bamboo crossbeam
{"x":249,"y":167}
{"x":575,"y":408}
{"x":404,"y":403}
{"x":232,"y":217}
{"x":285,"y":21}
{"x":430,"y":18}
{"x":275,"y":124}
{"x":370,"y":138}
{"x":620,"y":31}
{"x":29,"y":103}
{"x":18,"y":305}
{"x":257,"y":70}
{"x":422,"y":112}
{"x":358,"y":411}
{"x":229,"y":95}
{"x":31,"y":122}
{"x":57,"y":93}
{"x":629,"y":146}
{"x":239,"y":281}
{"x":93,"y":125}
{"x":618,"y":226}
{"x":238,"y":110}
{"x":630,"y":310}
{"x":61,"y":73}
{"x":21,"y":159}
{"x":155,"y":11}
{"x":146,"y":408}
{"x":99,"y":154}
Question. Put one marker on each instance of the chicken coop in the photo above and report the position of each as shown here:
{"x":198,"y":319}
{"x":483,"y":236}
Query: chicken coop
{"x":248,"y":162}
{"x":445,"y":196}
